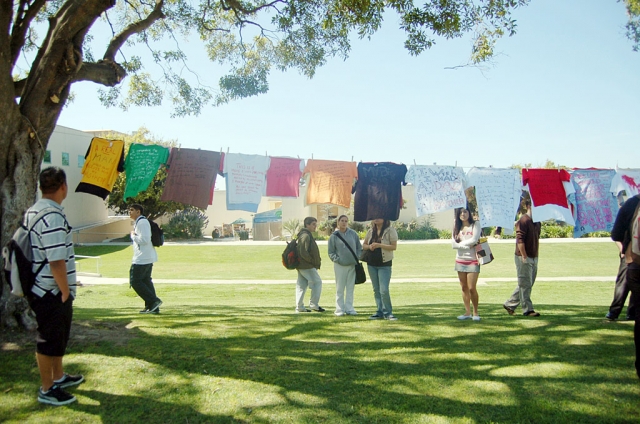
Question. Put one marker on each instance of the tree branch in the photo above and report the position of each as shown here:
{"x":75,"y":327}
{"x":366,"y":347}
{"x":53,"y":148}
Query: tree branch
{"x":135,"y":28}
{"x":105,"y":72}
{"x":22,"y":24}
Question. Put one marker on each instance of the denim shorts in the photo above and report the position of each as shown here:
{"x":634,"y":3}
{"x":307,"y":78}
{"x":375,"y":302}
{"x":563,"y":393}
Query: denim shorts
{"x":467,"y":268}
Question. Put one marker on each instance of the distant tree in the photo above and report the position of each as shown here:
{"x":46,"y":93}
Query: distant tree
{"x":150,"y":198}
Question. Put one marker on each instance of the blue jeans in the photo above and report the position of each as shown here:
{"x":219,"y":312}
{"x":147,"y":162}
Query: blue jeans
{"x":380,"y":279}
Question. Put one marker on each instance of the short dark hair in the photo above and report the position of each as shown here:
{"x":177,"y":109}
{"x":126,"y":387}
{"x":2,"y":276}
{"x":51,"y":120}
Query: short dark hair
{"x":309,"y":220}
{"x":137,"y":207}
{"x":51,"y":179}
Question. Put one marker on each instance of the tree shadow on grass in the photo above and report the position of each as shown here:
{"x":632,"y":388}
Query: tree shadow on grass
{"x":565,"y":366}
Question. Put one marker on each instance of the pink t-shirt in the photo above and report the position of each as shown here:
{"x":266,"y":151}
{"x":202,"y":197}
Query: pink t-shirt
{"x":283,"y":177}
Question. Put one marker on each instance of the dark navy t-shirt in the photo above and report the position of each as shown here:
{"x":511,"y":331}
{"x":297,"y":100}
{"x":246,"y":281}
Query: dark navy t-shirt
{"x":378,"y":192}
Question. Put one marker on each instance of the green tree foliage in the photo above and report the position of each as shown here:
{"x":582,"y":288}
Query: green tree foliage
{"x":186,"y":224}
{"x":633,"y":26}
{"x":149,"y":199}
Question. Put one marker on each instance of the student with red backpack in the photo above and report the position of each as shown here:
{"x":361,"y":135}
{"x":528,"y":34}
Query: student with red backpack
{"x":625,"y":233}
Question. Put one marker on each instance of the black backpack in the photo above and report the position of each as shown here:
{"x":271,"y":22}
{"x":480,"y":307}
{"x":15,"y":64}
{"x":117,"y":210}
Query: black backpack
{"x":290,"y":255}
{"x":18,"y":257}
{"x":157,"y":235}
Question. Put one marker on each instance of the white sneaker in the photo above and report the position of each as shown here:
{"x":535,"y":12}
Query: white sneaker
{"x":352,"y":313}
{"x":462,"y":317}
{"x":476,"y":317}
{"x":339,"y":314}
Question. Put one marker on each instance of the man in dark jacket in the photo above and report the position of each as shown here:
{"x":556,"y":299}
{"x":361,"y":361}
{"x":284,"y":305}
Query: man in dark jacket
{"x":621,"y":234}
{"x":308,"y":276}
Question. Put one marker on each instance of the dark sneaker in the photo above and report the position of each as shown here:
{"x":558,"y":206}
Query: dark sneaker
{"x":155,"y":306}
{"x":610,"y":317}
{"x":318,"y":309}
{"x":55,"y":396}
{"x":144,"y":311}
{"x":376,"y":316}
{"x":69,"y":380}
{"x":531,"y":314}
{"x":156,"y":312}
{"x":390,"y":317}
{"x":509,"y":310}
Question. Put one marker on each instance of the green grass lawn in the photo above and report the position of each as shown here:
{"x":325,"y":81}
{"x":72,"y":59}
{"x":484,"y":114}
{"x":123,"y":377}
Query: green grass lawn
{"x":238,"y":353}
{"x":220,"y":262}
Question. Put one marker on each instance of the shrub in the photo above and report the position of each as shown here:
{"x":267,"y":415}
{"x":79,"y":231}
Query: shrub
{"x":293,"y":227}
{"x":445,"y":234}
{"x":186,"y":224}
{"x":243,"y":235}
{"x":357,"y":226}
{"x":551,"y":229}
{"x":327,"y":226}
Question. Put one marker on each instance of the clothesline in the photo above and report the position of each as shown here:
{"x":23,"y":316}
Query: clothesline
{"x":191,"y":176}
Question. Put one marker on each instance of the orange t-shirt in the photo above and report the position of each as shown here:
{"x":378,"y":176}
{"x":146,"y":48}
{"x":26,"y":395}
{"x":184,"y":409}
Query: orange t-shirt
{"x":330,"y":182}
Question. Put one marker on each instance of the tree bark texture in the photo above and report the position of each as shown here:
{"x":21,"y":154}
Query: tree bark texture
{"x":28,"y":118}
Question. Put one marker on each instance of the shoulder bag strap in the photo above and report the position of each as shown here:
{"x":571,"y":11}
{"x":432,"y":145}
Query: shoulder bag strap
{"x":337,"y":233}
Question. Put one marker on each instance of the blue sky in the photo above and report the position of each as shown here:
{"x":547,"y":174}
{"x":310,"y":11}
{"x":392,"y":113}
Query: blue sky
{"x":566,"y":88}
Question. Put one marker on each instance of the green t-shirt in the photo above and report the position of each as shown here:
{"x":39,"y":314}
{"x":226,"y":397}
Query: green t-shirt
{"x":141,"y":165}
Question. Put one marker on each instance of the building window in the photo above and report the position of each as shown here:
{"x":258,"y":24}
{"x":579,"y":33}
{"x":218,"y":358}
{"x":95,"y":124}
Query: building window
{"x":65,"y":159}
{"x":47,"y":156}
{"x":80,"y":161}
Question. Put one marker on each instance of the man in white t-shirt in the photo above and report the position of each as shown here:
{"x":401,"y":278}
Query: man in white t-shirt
{"x":144,"y":255}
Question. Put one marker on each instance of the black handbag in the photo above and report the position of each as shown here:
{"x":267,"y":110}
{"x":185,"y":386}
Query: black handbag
{"x":361,"y":277}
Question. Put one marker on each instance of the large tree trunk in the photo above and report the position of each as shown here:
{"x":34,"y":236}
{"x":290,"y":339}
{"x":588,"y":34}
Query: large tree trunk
{"x":26,"y":125}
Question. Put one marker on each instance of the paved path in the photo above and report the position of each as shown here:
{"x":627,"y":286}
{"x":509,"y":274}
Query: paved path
{"x":90,"y":280}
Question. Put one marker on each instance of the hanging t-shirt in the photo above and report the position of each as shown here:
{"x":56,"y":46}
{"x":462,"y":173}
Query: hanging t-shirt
{"x":141,"y":166}
{"x":330,"y":182}
{"x":437,"y":188}
{"x":595,"y":207}
{"x":283,"y":177}
{"x":191,"y":174}
{"x":627,"y":180}
{"x":498,"y":194}
{"x":549,"y":189}
{"x":245,"y":177}
{"x":103,"y":161}
{"x":378,"y":191}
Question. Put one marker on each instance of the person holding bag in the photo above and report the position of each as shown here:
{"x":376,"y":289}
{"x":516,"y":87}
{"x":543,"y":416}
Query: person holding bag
{"x":344,"y":250}
{"x":381,"y":240}
{"x":465,"y":236}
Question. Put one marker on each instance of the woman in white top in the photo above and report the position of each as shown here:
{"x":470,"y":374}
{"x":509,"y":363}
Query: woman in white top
{"x":466,"y":233}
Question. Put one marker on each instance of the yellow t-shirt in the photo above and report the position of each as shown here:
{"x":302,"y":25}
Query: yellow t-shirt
{"x":101,"y":165}
{"x":330,"y":181}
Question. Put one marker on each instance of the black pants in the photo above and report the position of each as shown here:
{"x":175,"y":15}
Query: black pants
{"x":140,"y":280}
{"x":620,"y":294}
{"x":633,"y":281}
{"x":54,"y":323}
